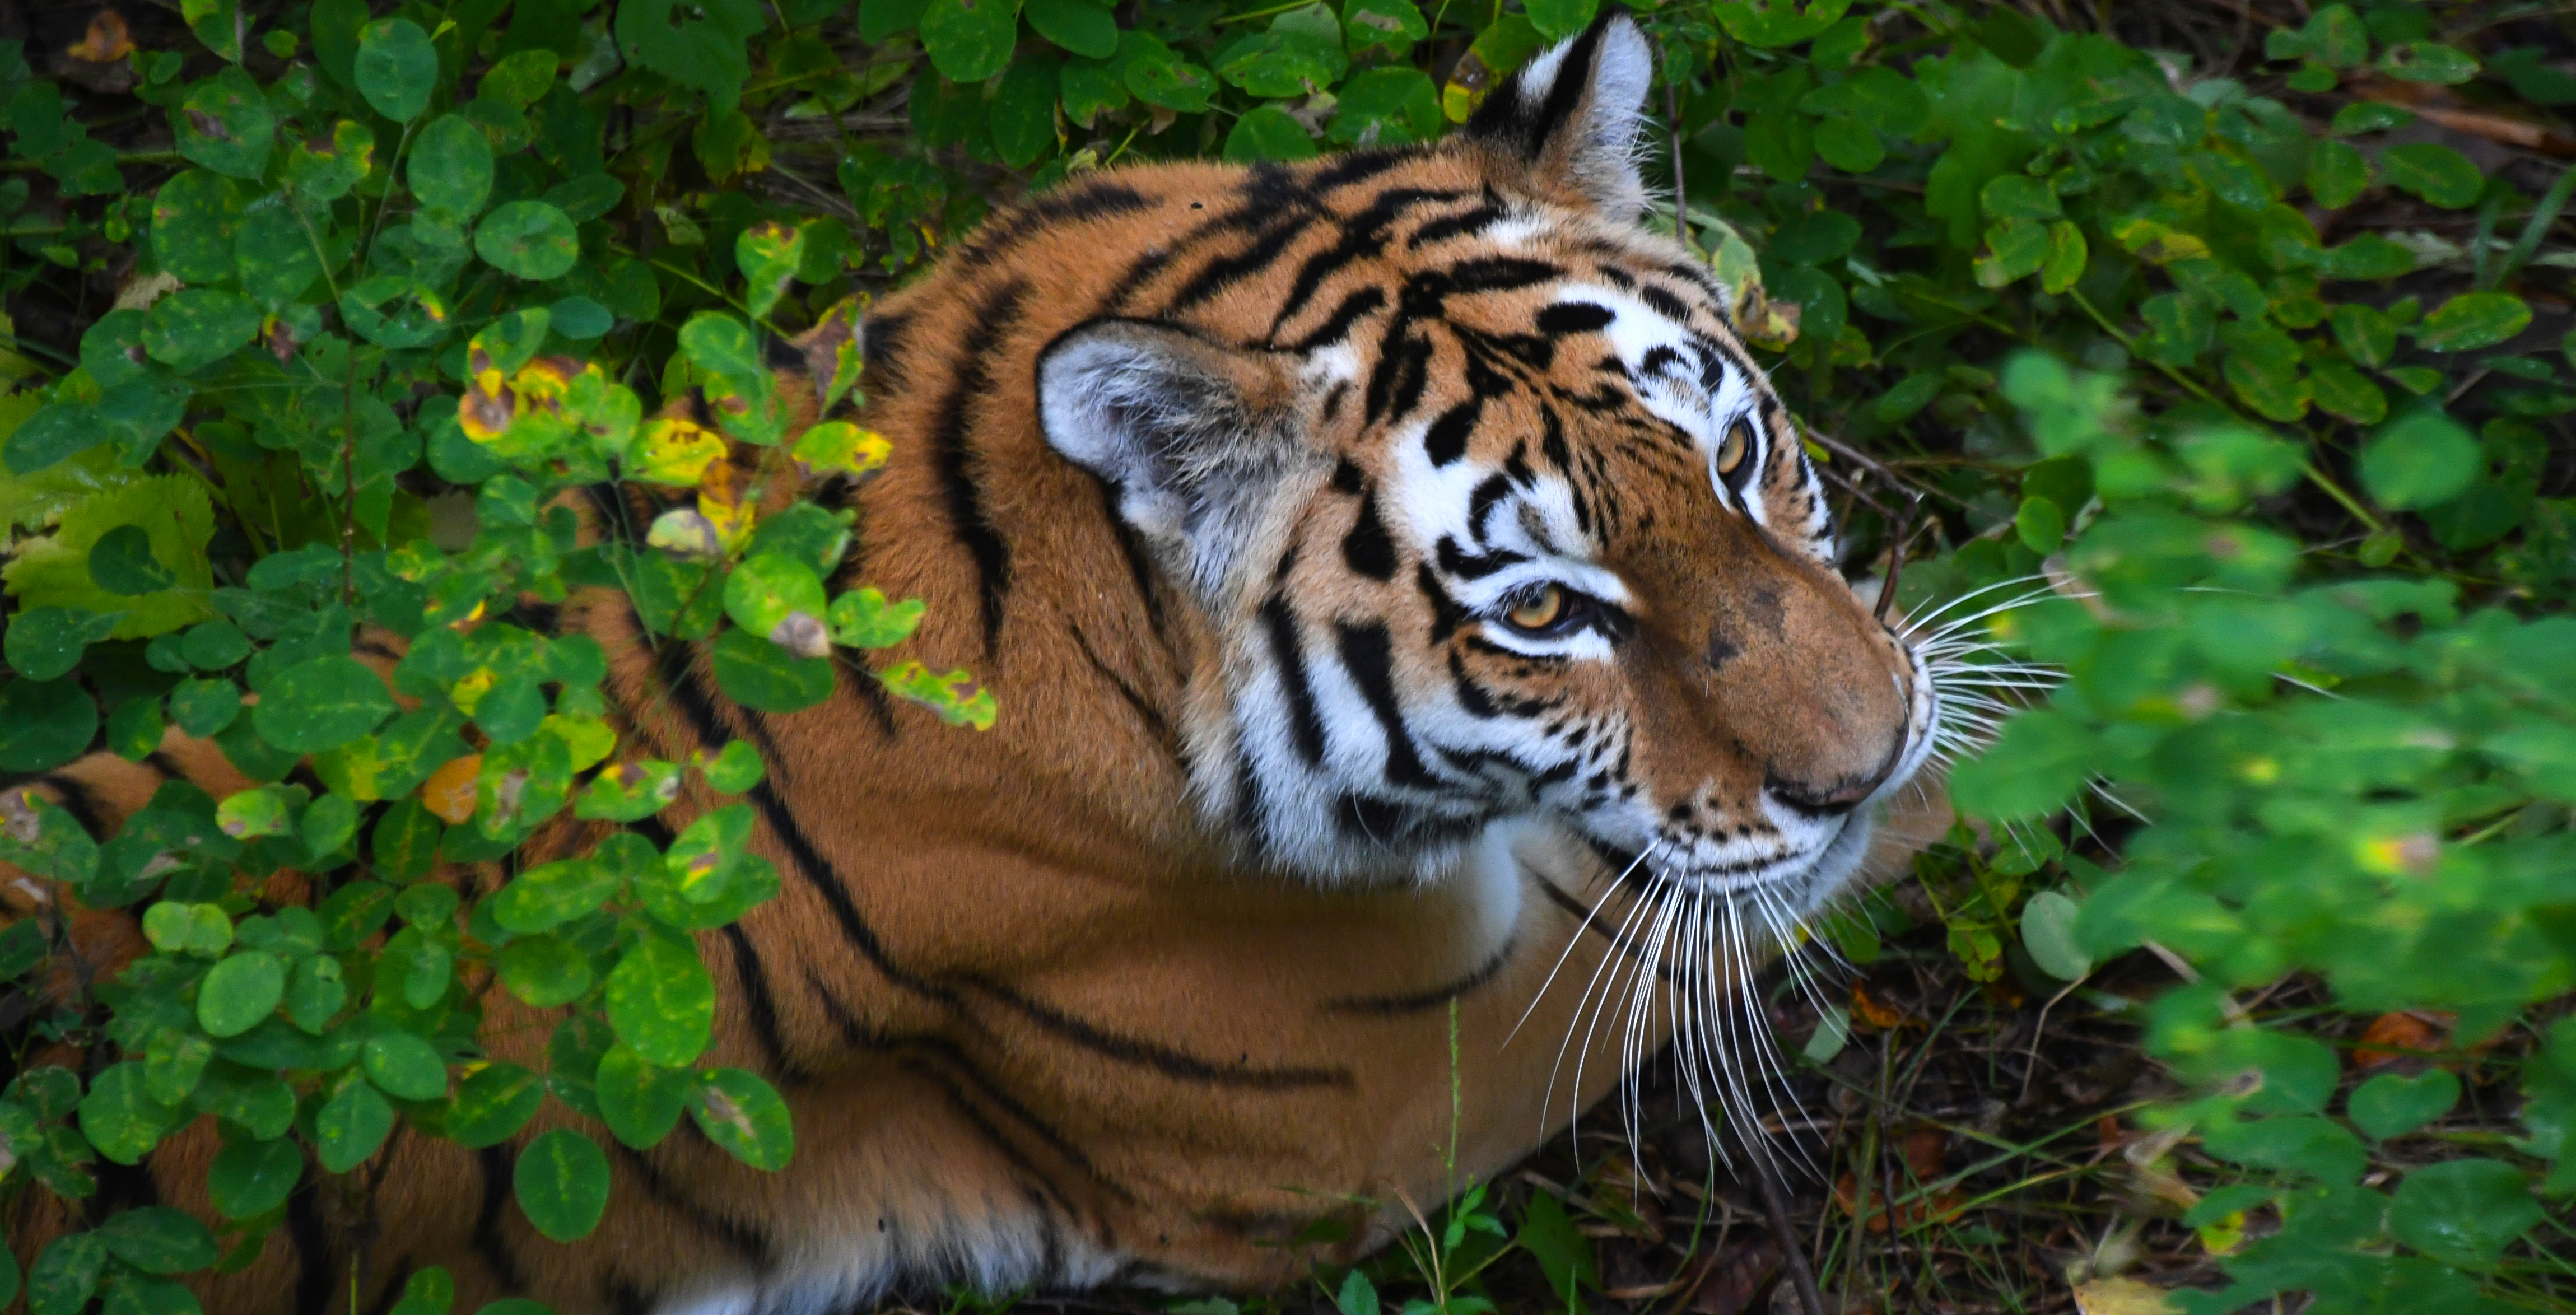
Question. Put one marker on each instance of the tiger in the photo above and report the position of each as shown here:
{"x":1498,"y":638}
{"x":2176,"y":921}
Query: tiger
{"x":1427,"y":689}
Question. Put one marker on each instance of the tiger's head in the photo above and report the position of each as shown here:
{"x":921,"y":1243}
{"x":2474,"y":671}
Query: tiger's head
{"x":1497,"y":520}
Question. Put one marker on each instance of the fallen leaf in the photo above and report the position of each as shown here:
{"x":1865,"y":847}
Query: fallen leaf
{"x":2406,"y":1034}
{"x":2121,"y":1296}
{"x":449,"y":791}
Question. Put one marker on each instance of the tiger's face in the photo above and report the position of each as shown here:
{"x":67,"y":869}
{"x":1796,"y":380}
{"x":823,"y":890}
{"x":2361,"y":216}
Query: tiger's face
{"x":1501,"y":521}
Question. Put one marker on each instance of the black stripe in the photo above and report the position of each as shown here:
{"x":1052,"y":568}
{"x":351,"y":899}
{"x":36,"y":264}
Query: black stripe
{"x":748,"y":1243}
{"x":1353,"y":306}
{"x":1432,"y":998}
{"x":1566,"y":317}
{"x":1398,"y":373}
{"x":489,"y":1243}
{"x":1446,"y":440}
{"x":1368,"y":549}
{"x":1368,"y":653}
{"x":1162,"y":1059}
{"x":857,"y":1035}
{"x":993,"y":1136}
{"x":317,"y":1269}
{"x":1353,"y":167}
{"x":1364,"y":235}
{"x":757,"y":1000}
{"x":388,"y":1296}
{"x":953,"y":453}
{"x":825,"y":880}
{"x":881,"y":342}
{"x":1306,"y":724}
{"x":1458,"y":225}
{"x":1072,"y":205}
{"x":1146,"y":712}
{"x":1225,"y":271}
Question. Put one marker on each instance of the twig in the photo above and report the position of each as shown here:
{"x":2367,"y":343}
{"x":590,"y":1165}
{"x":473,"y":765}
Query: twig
{"x":1775,"y":1205}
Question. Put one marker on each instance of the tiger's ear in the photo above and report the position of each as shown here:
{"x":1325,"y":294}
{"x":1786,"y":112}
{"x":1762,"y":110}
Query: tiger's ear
{"x":1192,"y":437}
{"x":1567,"y":121}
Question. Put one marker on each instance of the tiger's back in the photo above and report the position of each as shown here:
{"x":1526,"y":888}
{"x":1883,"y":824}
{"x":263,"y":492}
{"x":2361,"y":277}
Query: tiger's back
{"x":1235,"y":485}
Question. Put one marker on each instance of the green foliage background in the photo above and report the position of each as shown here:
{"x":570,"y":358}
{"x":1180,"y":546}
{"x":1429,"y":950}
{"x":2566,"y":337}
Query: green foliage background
{"x":319,"y":307}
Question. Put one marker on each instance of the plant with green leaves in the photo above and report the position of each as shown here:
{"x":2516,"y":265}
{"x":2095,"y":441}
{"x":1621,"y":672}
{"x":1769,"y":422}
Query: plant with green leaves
{"x":2237,"y":359}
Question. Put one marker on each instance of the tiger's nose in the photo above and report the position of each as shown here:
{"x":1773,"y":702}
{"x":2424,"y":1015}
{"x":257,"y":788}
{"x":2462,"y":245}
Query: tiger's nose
{"x":1831,"y":798}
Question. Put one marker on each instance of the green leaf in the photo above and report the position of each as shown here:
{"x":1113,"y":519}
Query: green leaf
{"x":135,"y":729}
{"x":2337,"y":174}
{"x":350,"y":1126}
{"x":196,"y":327}
{"x":275,"y":256}
{"x":544,"y":971}
{"x":969,"y":40}
{"x":1565,"y":1256}
{"x":698,"y":45}
{"x":2464,"y":1212}
{"x":321,"y":703}
{"x":2392,"y":1106}
{"x":766,"y":589}
{"x":736,"y":769}
{"x":46,"y":642}
{"x":529,"y":239}
{"x":2472,"y":320}
{"x":760,"y":675}
{"x":640,"y":1101}
{"x":1265,"y":132}
{"x":545,"y":897}
{"x":194,"y":217}
{"x":2428,"y":61}
{"x":629,"y":792}
{"x":768,"y":256}
{"x":2434,"y":172}
{"x":121,"y":563}
{"x":44,"y":724}
{"x":1387,"y":107}
{"x":2421,"y":459}
{"x":225,"y":124}
{"x":396,"y":68}
{"x":54,"y":433}
{"x":451,"y":167}
{"x":662,"y":1002}
{"x":743,"y":1114}
{"x":2018,"y":196}
{"x":1771,"y":23}
{"x":2344,"y":391}
{"x":120,"y":1116}
{"x":65,"y":1275}
{"x":251,"y":1178}
{"x":2034,"y":766}
{"x":1850,"y":145}
{"x":1159,"y":77}
{"x":2048,"y":933}
{"x":204,"y":707}
{"x":1081,"y":26}
{"x":404,"y":1066}
{"x":492,"y":1105}
{"x":158,"y":1240}
{"x":211,"y":646}
{"x":720,"y":344}
{"x":1022,"y":113}
{"x":240,"y":993}
{"x":562,"y":1184}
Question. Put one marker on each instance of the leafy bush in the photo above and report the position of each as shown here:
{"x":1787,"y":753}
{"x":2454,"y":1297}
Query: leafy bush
{"x":383,"y":287}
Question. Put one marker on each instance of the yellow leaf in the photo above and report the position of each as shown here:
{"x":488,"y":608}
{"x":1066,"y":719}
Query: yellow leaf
{"x":673,"y":451}
{"x":2121,"y":1296}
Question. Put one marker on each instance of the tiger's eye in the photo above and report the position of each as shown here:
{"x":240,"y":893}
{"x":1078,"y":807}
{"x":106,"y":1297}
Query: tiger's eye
{"x":1538,"y":611}
{"x":1731,"y":449}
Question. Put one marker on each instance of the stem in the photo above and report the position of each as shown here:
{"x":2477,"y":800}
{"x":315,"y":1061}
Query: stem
{"x":1775,"y":1207}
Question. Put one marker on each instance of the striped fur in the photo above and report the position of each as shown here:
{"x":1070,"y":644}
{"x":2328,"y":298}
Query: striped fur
{"x":1226,"y":481}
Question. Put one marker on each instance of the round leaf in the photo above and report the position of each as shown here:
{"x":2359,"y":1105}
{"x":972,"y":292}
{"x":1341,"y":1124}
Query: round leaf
{"x":44,"y":724}
{"x":662,"y":1002}
{"x":46,"y":642}
{"x":743,"y":1114}
{"x":491,"y":1106}
{"x":319,"y":704}
{"x":2463,"y":1212}
{"x":196,"y":327}
{"x":969,"y":40}
{"x":404,"y":1066}
{"x":121,"y":563}
{"x":761,"y":675}
{"x":240,"y":992}
{"x":2473,"y":320}
{"x":451,"y":166}
{"x":158,"y":1240}
{"x":639,"y":1101}
{"x":2420,"y":460}
{"x":224,"y":123}
{"x":530,"y":239}
{"x":397,"y":68}
{"x":2393,"y":1106}
{"x":544,"y":971}
{"x":2048,"y":933}
{"x":251,"y":1178}
{"x":562,"y":1184}
{"x":350,"y":1126}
